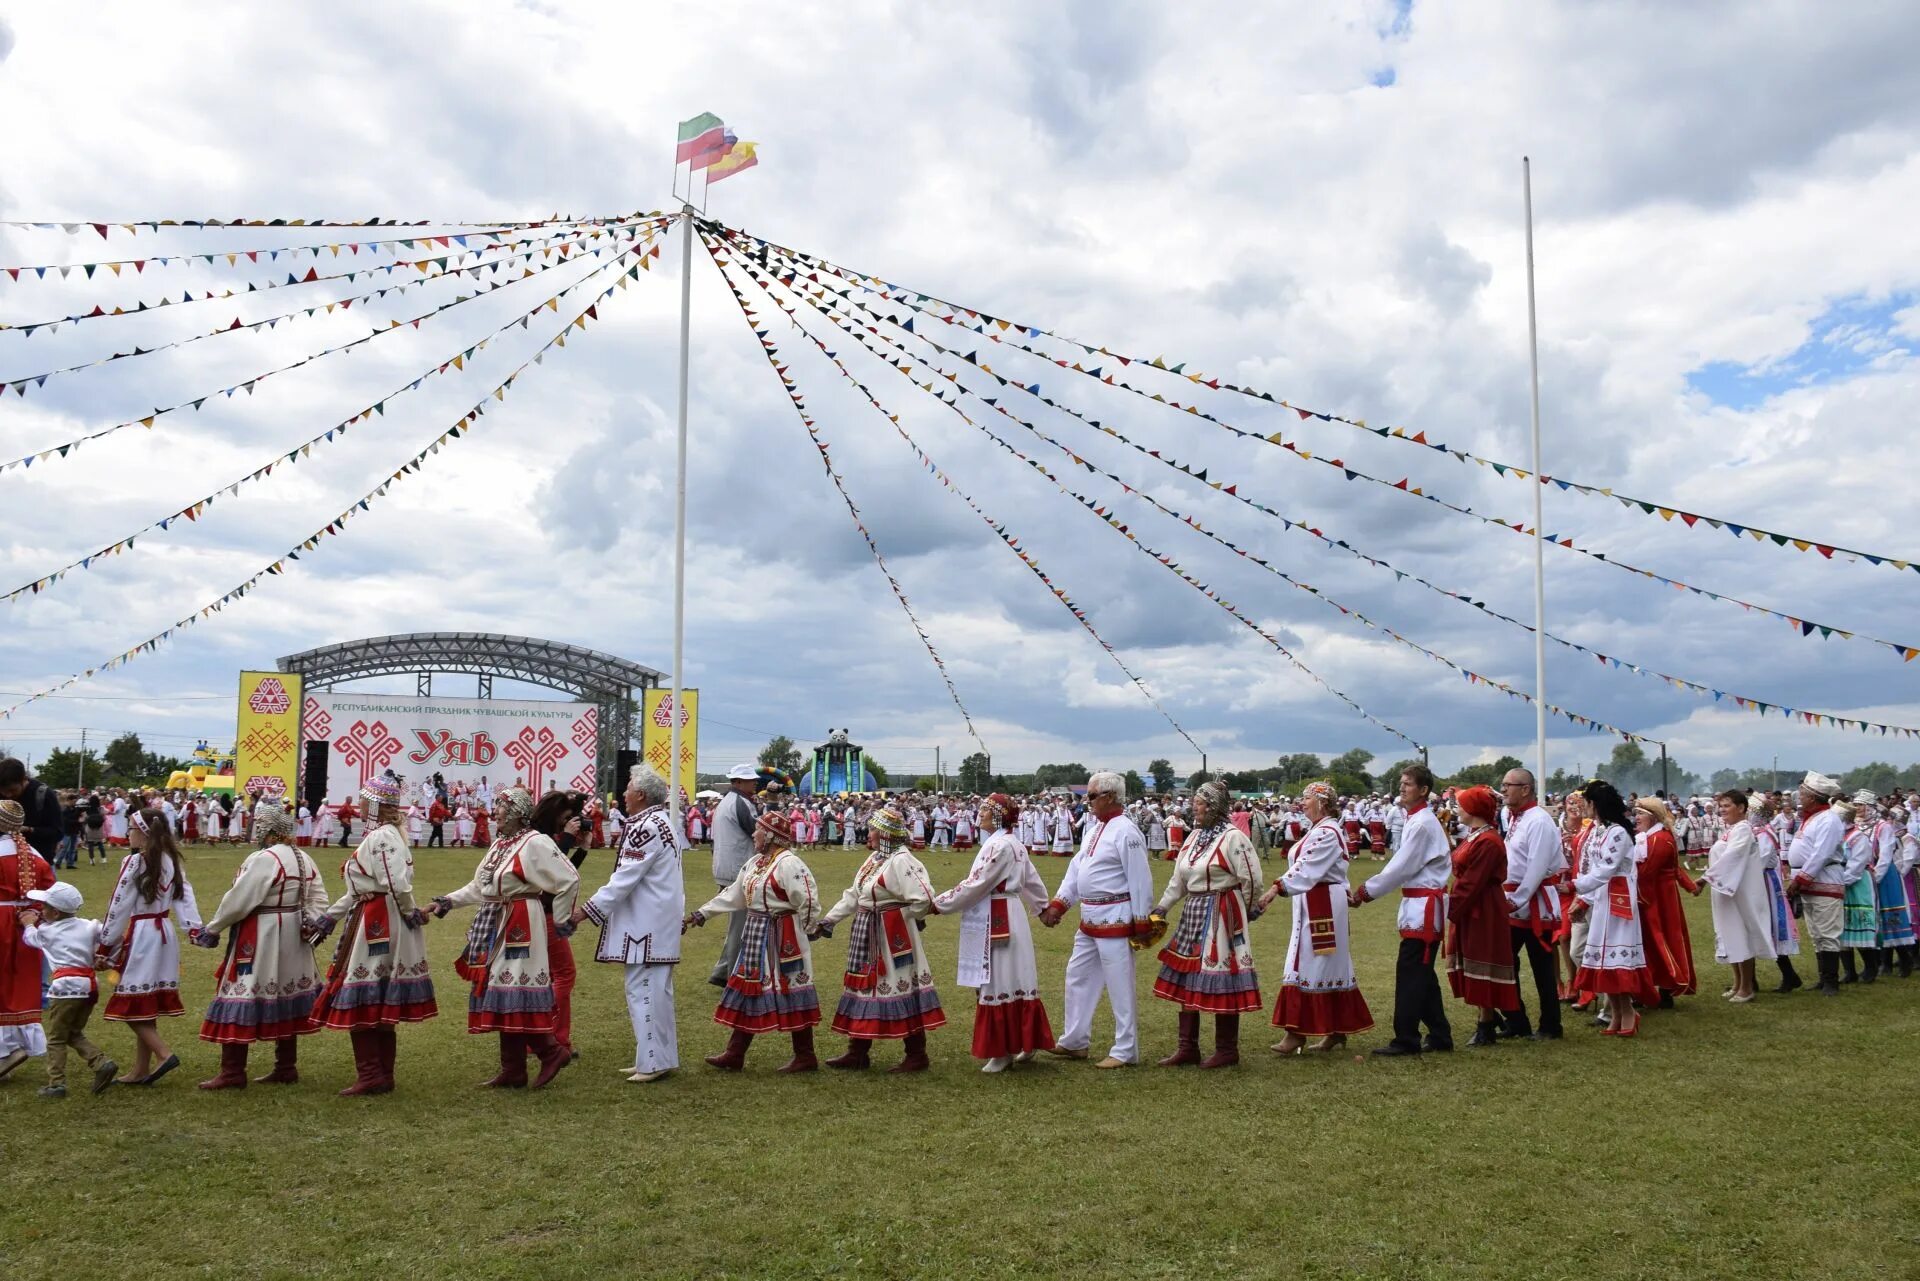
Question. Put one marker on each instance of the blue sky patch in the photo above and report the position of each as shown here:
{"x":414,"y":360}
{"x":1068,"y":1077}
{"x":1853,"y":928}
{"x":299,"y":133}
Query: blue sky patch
{"x":1852,"y":334}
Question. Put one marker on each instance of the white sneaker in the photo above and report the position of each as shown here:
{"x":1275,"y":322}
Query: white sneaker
{"x":1026,"y":1056}
{"x":998,"y":1064}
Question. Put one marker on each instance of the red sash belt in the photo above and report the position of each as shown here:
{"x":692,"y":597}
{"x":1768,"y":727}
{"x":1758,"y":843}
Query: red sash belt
{"x":1819,"y":889}
{"x":1620,"y":898}
{"x":1320,"y":931}
{"x":898,"y":936}
{"x":1111,"y":930}
{"x":78,"y":972}
{"x":1538,"y":919}
{"x":159,"y":920}
{"x":998,"y":930}
{"x":1429,"y":928}
{"x":376,"y":920}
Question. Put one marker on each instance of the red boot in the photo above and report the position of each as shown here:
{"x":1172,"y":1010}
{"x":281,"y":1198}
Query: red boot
{"x":513,"y":1064}
{"x":233,"y":1070}
{"x":858,"y":1057}
{"x":803,"y":1059}
{"x":916,"y":1059}
{"x":553,"y":1056}
{"x":388,"y":1046}
{"x":1226,"y":1042}
{"x":1187,"y":1050}
{"x":366,"y":1063}
{"x":734,"y":1057}
{"x":286,"y":1058}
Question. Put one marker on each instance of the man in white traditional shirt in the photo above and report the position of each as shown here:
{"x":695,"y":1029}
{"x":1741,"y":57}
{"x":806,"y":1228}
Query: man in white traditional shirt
{"x":1534,"y":854}
{"x":1110,"y":882}
{"x":1419,"y":868}
{"x":638,"y":911}
{"x":1817,"y":858}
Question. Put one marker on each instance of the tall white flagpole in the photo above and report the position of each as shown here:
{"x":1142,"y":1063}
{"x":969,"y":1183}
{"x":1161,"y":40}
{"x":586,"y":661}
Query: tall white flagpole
{"x":680,"y":513}
{"x":1539,"y":532}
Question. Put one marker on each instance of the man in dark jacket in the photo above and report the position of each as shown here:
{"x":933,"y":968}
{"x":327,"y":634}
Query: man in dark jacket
{"x":41,"y":803}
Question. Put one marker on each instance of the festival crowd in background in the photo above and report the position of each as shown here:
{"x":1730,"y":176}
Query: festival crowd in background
{"x":1582,"y":892}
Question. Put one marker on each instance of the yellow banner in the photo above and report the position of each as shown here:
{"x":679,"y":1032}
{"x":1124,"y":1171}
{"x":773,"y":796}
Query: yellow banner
{"x":267,"y":742}
{"x":656,"y":738}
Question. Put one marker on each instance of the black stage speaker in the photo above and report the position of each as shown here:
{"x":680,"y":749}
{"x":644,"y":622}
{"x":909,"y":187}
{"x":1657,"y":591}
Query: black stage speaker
{"x":623,"y":764}
{"x":314,"y":781}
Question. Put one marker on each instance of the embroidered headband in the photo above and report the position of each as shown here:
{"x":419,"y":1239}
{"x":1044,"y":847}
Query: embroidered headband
{"x":516,"y":801}
{"x":1000,"y":808}
{"x":1322,"y":789}
{"x":1214,"y":795}
{"x":270,"y":819}
{"x":777,"y":825}
{"x":888,"y":823}
{"x":381,"y":790}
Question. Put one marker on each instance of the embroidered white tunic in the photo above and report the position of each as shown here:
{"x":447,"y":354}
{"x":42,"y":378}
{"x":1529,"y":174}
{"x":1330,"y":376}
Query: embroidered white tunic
{"x":379,"y":973}
{"x":1001,"y":871}
{"x":267,"y":980}
{"x":638,"y":910}
{"x":1421,"y":863}
{"x":1613,"y":942}
{"x":516,"y":992}
{"x":140,"y":939}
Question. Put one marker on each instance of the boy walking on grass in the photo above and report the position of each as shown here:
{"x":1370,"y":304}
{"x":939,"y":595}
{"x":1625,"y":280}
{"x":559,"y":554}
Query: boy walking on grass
{"x":69,"y":943}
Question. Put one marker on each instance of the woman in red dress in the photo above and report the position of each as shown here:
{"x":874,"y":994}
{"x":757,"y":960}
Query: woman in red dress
{"x":1479,"y":942}
{"x":1669,"y":948}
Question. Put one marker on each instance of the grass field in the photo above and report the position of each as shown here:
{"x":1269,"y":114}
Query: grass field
{"x":1774,"y":1140}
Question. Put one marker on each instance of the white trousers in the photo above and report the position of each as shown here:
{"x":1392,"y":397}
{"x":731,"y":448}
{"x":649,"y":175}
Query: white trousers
{"x":650,"y":1006}
{"x":1096,"y":964}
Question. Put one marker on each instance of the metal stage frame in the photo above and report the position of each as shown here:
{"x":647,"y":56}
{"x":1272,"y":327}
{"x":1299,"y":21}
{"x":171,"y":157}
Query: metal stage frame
{"x":586,"y":674}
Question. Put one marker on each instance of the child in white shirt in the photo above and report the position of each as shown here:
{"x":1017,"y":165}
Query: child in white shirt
{"x":70,"y":944}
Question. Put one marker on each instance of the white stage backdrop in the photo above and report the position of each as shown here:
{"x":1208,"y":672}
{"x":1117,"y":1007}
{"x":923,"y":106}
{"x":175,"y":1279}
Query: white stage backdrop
{"x":541,"y":744}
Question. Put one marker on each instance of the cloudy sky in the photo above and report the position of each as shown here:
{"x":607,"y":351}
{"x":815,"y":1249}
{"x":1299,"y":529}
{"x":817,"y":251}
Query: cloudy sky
{"x":1321,"y":200}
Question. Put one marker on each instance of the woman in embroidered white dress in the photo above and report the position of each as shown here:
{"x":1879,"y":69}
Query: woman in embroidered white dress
{"x":1614,"y":961}
{"x":379,"y":976}
{"x":1770,"y":867}
{"x":463,"y":824}
{"x":505,"y":959}
{"x":1741,"y":930}
{"x":1207,"y":966}
{"x":1319,"y":995}
{"x":888,"y":993}
{"x":770,"y":988}
{"x":1000,"y":891}
{"x":265,"y":984}
{"x":140,"y":939}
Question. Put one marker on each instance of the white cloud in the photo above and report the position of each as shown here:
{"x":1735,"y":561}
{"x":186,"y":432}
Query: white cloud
{"x":1238,"y":193}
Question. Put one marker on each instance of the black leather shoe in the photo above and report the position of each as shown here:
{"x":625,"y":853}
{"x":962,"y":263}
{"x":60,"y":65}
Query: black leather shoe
{"x":1436,"y":1047}
{"x":1482,"y":1037}
{"x":1666,"y":1000}
{"x":1395,"y":1050}
{"x":1544,"y":1035}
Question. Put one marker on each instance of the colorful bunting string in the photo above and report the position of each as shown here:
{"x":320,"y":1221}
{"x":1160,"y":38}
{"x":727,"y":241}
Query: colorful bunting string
{"x":1012,"y":542}
{"x":873,"y":548}
{"x":1801,"y":626}
{"x":465,"y":424}
{"x":1113,"y":522}
{"x":431,"y":267}
{"x":21,"y":384}
{"x":69,"y":447}
{"x":480,"y":227}
{"x":846,"y":324}
{"x":455,"y":362}
{"x":927,"y":303}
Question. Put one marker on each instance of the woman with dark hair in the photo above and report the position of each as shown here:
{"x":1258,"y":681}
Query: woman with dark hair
{"x":1614,"y":961}
{"x":1207,"y":966}
{"x":136,"y":940}
{"x":558,"y":816}
{"x":1000,"y":892}
{"x":1480,"y":961}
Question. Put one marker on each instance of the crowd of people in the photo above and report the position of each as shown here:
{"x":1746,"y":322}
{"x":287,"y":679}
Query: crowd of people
{"x":1582,"y":893}
{"x":437,"y":814}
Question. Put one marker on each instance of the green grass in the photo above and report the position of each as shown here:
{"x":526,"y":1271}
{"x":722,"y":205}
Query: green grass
{"x":1771,"y":1140}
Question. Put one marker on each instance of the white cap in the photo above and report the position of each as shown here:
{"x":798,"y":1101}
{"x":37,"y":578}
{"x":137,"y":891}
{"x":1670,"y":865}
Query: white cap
{"x":1821,"y":785}
{"x":1866,"y":796}
{"x":744,"y":774}
{"x":61,"y":896}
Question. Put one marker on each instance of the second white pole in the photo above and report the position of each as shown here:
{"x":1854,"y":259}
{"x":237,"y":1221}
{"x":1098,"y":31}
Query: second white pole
{"x":1539,"y":533}
{"x":680,"y":518}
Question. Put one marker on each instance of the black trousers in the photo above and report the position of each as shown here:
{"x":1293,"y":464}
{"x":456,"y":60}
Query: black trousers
{"x":1545,"y":984}
{"x":437,"y":837}
{"x":1416,"y":996}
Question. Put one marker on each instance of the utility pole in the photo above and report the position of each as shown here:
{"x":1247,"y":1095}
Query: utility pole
{"x":1776,"y":773}
{"x":939,"y":779}
{"x":80,"y":783}
{"x":1664,"y":785}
